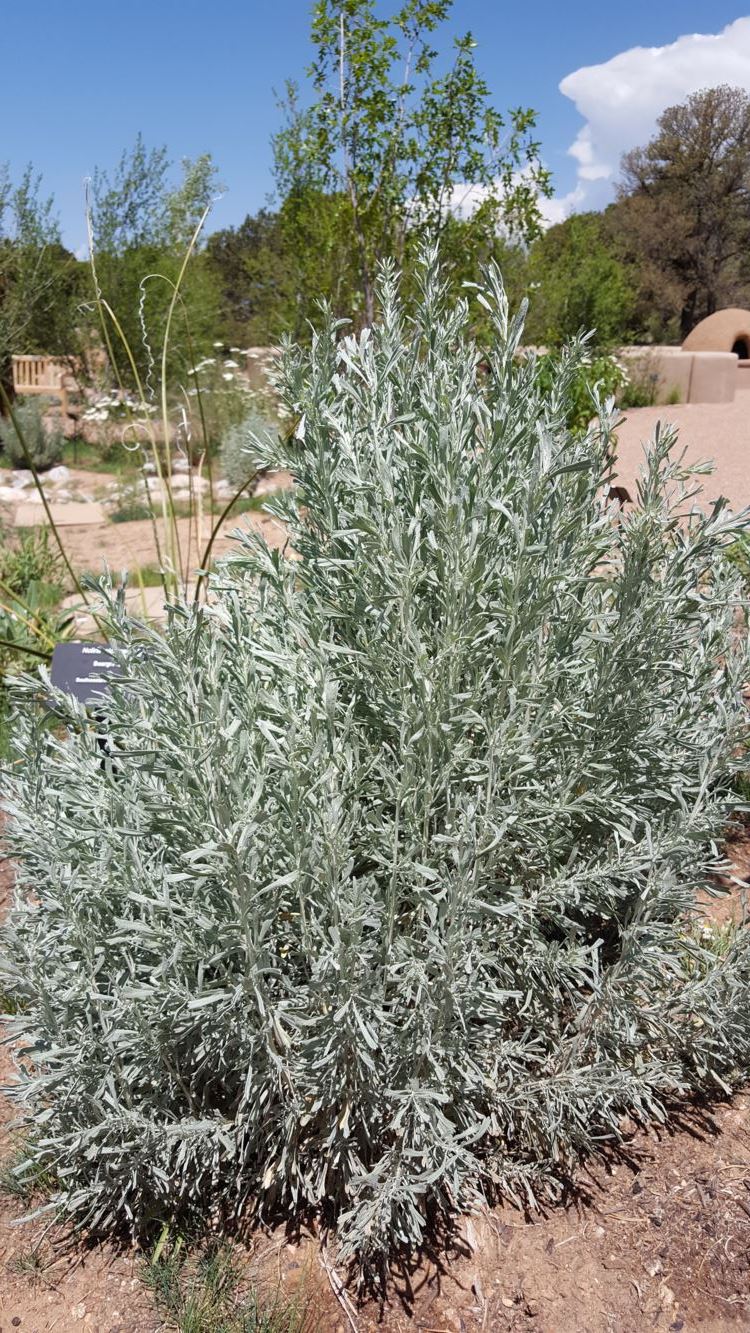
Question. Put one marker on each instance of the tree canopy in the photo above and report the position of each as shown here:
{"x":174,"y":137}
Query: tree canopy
{"x":394,"y":137}
{"x":39,"y":287}
{"x":685,"y":203}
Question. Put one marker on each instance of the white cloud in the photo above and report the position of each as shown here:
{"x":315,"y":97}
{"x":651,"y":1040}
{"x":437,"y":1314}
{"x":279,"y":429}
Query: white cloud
{"x":621,"y":100}
{"x":560,"y":206}
{"x":464,"y":199}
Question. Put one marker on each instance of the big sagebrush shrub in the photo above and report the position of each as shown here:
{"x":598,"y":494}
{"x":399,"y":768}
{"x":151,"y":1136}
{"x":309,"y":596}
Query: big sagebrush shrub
{"x":384,"y":898}
{"x":44,"y":443}
{"x":239,"y":449}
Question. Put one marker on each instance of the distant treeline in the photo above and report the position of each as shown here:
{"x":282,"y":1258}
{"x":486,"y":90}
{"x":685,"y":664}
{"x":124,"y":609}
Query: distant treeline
{"x":369,"y":168}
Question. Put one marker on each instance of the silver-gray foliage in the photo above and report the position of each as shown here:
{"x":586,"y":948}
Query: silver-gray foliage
{"x":386,"y":900}
{"x":239,"y":449}
{"x":44,"y":444}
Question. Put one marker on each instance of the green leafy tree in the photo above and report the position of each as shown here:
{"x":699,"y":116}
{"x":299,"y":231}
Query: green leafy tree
{"x":248,"y":263}
{"x":40,"y":281}
{"x":272,"y":268}
{"x":579,"y":282}
{"x":685,"y":204}
{"x":141,"y":225}
{"x":394,"y":142}
{"x":128,"y":207}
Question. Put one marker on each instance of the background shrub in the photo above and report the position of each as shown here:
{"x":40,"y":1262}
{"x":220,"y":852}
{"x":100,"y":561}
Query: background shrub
{"x":31,"y":585}
{"x":44,"y":444}
{"x":239,"y":449}
{"x":385,"y":899}
{"x":32,"y":559}
{"x":600,"y":375}
{"x":131,"y":503}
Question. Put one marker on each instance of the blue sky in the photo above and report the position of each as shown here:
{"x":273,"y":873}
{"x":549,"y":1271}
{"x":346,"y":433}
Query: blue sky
{"x":79,"y":80}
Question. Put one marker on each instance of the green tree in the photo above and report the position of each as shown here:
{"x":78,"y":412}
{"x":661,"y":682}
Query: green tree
{"x":579,"y":282}
{"x":141,"y":225}
{"x":39,"y":278}
{"x":686,"y":203}
{"x":391,"y":140}
{"x":127,"y":208}
{"x":274,"y":267}
{"x":247,"y":262}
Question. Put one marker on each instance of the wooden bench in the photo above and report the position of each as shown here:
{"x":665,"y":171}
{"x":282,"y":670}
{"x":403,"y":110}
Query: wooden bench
{"x":44,"y":375}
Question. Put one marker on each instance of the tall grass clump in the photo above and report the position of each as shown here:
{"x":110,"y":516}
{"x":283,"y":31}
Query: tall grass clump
{"x":382,"y":898}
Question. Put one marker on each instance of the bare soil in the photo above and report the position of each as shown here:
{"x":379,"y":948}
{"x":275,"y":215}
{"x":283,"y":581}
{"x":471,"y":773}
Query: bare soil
{"x":92,"y":547}
{"x":716,"y":432}
{"x":658,"y":1238}
{"x":131,"y":545}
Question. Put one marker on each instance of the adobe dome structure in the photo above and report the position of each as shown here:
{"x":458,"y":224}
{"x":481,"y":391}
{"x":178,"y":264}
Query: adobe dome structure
{"x":725,"y":331}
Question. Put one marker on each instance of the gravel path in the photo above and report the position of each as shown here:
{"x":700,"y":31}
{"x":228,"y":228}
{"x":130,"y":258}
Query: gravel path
{"x":716,"y":431}
{"x":128,"y":545}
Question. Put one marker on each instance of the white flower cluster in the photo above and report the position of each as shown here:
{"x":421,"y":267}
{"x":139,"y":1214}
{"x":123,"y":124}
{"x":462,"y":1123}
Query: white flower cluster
{"x":116,"y":405}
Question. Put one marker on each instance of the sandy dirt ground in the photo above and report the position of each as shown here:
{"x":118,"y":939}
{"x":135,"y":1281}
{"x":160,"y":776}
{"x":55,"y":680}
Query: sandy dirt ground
{"x":125,"y":546}
{"x":707,"y":431}
{"x":120,"y":546}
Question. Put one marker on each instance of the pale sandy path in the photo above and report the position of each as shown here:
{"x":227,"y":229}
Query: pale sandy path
{"x":120,"y":546}
{"x":716,"y":431}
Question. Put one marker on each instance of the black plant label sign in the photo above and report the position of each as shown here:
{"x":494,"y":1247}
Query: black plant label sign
{"x":82,"y":669}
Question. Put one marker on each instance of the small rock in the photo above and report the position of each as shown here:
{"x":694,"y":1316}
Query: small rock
{"x":653,"y":1268}
{"x":187,"y":483}
{"x":507,"y":1302}
{"x":78,"y":1311}
{"x":180,"y":465}
{"x":666,"y":1294}
{"x":59,"y":473}
{"x":22,"y":477}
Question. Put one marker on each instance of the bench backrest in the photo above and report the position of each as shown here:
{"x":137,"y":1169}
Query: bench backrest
{"x":38,"y":374}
